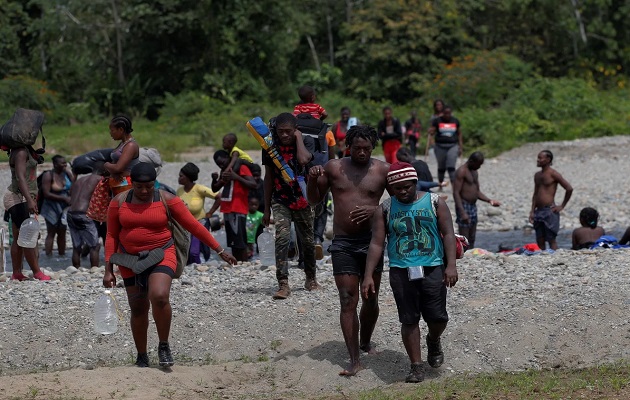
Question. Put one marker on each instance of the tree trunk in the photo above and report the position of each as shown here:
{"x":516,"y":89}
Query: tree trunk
{"x":331,"y":44}
{"x":313,"y":53}
{"x":119,"y":50}
{"x":578,"y":19}
{"x":348,"y":10}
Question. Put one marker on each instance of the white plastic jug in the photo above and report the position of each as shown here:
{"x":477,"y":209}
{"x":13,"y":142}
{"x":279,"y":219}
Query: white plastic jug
{"x":105,"y":316}
{"x":302,"y":183}
{"x":3,"y":254}
{"x":29,"y":233}
{"x":267,"y":248}
{"x":222,"y":239}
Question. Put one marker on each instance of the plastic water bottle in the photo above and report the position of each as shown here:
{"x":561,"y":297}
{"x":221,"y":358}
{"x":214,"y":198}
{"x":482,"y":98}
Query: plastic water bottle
{"x":267,"y":248}
{"x":222,"y":239}
{"x":105,"y":316}
{"x":3,"y":250}
{"x":29,"y":233}
{"x":302,"y":183}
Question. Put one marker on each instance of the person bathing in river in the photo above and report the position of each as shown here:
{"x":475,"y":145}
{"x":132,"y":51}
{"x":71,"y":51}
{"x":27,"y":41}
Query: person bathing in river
{"x":586,"y":236}
{"x":56,"y":185}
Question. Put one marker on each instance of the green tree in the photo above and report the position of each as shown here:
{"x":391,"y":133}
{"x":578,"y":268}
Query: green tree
{"x":14,"y":25}
{"x":480,"y":79}
{"x":391,"y":46}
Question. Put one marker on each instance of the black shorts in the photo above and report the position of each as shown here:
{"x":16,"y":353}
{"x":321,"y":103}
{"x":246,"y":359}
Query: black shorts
{"x":424,"y":297}
{"x":236,"y":230}
{"x":19,"y":213}
{"x":143,"y":278}
{"x":349,"y":254}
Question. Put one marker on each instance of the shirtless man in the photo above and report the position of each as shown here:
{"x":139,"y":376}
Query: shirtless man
{"x":83,"y":230}
{"x":545,"y":214}
{"x":357,"y":184}
{"x":466,"y":192}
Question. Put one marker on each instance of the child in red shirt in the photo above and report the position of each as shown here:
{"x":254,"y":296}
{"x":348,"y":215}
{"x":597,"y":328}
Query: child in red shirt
{"x":307,"y":104}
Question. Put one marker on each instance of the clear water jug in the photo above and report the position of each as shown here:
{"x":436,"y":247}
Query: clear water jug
{"x":302,"y":183}
{"x":222,"y":239}
{"x":267,"y":248}
{"x":3,"y":257}
{"x":105,"y":316}
{"x":29,"y":233}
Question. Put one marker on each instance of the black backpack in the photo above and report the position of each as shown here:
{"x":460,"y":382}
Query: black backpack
{"x":316,"y":129}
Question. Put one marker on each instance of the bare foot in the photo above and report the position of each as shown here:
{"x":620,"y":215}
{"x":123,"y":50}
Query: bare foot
{"x":368,"y":348}
{"x":351,"y":370}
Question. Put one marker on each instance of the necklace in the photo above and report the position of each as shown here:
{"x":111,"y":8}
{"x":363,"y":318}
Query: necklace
{"x":124,"y":142}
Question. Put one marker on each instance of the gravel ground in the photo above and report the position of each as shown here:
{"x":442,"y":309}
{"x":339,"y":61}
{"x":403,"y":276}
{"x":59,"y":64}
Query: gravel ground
{"x":230,"y":340}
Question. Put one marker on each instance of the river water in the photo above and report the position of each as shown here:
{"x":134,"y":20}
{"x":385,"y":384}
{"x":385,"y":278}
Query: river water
{"x":489,"y":240}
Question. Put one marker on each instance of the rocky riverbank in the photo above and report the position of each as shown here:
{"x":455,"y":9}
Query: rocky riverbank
{"x":507,"y":313}
{"x":231,"y":340}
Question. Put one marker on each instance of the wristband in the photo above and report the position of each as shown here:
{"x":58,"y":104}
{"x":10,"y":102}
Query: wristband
{"x":220,"y":252}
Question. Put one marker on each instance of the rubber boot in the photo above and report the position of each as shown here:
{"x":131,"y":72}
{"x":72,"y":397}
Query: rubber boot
{"x":311,"y":283}
{"x":284,"y":290}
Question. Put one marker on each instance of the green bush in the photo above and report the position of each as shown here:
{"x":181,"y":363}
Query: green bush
{"x":558,"y":99}
{"x":209,"y":119}
{"x":544,"y":110}
{"x":480,"y":79}
{"x":538,"y":110}
{"x":328,"y":78}
{"x":26,"y":92}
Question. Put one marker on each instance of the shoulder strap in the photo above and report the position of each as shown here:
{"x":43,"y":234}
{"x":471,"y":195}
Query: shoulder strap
{"x":387,"y":205}
{"x":435,"y":199}
{"x":43,"y":175}
{"x":125,"y":197}
{"x":168,"y":210}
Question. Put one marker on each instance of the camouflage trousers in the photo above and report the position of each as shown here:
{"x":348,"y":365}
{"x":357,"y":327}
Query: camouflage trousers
{"x":303,"y":221}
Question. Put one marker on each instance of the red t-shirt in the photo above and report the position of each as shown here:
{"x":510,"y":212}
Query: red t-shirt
{"x":236,"y":200}
{"x":140,"y":227}
{"x":314,"y":109}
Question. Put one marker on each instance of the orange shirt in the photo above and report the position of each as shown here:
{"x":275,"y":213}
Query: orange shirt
{"x":330,"y":139}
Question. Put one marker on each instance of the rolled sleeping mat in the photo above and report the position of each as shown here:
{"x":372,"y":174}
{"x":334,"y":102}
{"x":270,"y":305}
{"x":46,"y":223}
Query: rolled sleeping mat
{"x":84,"y":164}
{"x":260,"y":132}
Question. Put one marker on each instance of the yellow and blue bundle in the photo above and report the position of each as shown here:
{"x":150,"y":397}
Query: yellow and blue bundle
{"x":260,"y":131}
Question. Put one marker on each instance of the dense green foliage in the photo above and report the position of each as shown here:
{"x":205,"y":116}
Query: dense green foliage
{"x":515,"y":70}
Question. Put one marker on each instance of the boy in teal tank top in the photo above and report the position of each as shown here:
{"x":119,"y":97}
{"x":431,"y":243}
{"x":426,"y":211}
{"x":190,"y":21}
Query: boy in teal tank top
{"x":421,"y":247}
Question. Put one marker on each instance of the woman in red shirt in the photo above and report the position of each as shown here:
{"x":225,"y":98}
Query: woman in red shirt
{"x":138,"y":224}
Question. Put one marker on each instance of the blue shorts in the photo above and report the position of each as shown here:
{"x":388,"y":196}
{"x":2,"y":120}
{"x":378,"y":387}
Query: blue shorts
{"x":546,"y":223}
{"x":471,"y":210}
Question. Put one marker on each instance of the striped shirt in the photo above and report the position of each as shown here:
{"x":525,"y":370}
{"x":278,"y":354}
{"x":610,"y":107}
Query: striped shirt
{"x":309,"y":108}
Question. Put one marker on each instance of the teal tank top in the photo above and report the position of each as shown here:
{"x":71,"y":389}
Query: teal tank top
{"x":413,"y":238}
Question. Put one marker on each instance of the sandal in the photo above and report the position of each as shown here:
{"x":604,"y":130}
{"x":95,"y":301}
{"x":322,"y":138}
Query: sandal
{"x":19,"y":277}
{"x":40,"y":276}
